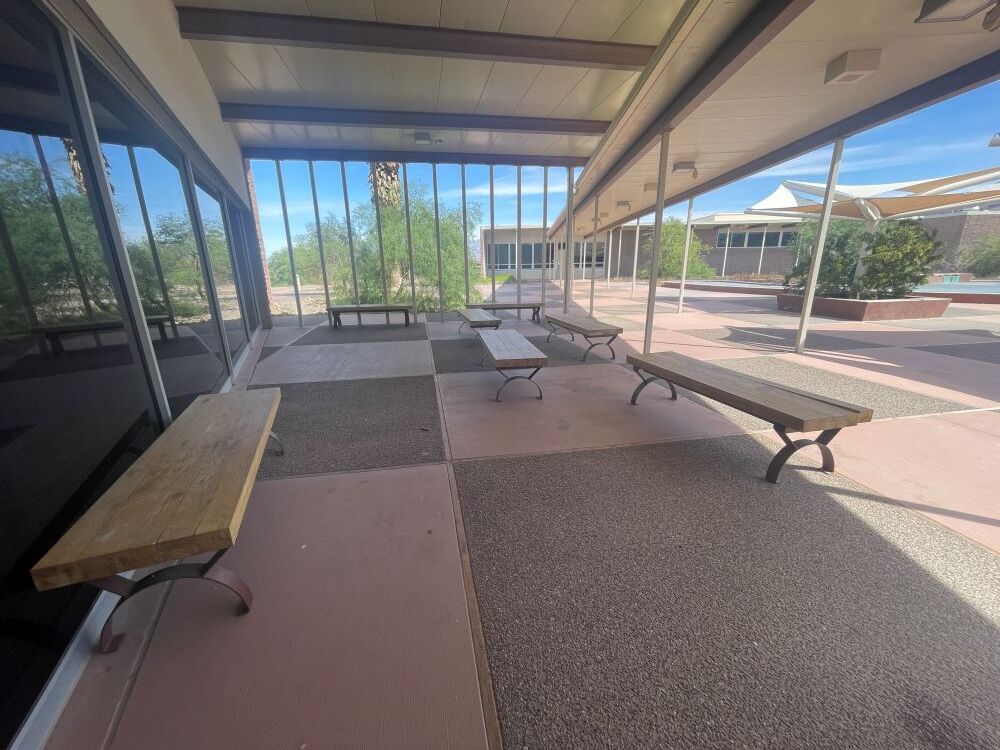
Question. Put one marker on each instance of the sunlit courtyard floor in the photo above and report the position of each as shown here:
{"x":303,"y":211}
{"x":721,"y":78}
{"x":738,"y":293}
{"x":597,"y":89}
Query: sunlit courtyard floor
{"x":434,"y":569}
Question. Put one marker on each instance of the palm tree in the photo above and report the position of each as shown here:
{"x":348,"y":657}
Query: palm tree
{"x":383,"y":176}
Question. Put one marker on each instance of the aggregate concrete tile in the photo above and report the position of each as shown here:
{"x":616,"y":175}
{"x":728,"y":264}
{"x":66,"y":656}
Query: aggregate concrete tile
{"x":366,"y":334}
{"x":665,"y":596}
{"x":348,"y":425}
{"x":320,"y":362}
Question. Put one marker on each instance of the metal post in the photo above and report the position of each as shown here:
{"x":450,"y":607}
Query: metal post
{"x":465,"y":237}
{"x":517,"y":243}
{"x":237,"y":282}
{"x":725,"y":252}
{"x":437,"y":240}
{"x":545,"y":232}
{"x":654,"y":261}
{"x":493,"y":242}
{"x":381,"y":248}
{"x":568,"y":270}
{"x":63,"y":229}
{"x":763,"y":239}
{"x":141,"y":195}
{"x":350,"y":237}
{"x":607,"y":258}
{"x":288,"y":240}
{"x":618,"y":263}
{"x":684,"y":259}
{"x":593,"y":254}
{"x":824,"y":223}
{"x":409,"y":241}
{"x":635,"y":256}
{"x":319,"y":237}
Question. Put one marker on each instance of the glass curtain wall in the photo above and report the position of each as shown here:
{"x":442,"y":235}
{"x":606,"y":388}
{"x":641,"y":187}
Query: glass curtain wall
{"x":221,"y":264}
{"x":145,"y":174}
{"x":76,"y":406}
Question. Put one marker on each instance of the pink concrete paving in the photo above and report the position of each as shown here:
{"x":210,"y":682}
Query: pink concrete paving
{"x":943,"y":466}
{"x":319,"y":362}
{"x":585,"y":406}
{"x":359,"y":635}
{"x":449,"y":329}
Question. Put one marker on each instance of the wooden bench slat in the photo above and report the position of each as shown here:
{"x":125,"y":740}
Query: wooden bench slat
{"x":475,"y":315}
{"x":585,"y":325}
{"x":370,"y":307}
{"x":506,"y":305}
{"x":510,"y":349}
{"x":185,"y":495}
{"x":799,"y":411}
{"x":87,"y":326}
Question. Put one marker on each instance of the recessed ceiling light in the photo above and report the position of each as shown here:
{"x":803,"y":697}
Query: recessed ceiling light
{"x":939,"y":11}
{"x":852,"y":66}
{"x":623,"y":204}
{"x":649,"y":187}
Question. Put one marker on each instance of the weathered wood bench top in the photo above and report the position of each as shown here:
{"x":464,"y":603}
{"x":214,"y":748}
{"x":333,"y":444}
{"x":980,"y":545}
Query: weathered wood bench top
{"x":797,"y":411}
{"x":510,"y":350}
{"x":371,"y":307}
{"x":184,"y":496}
{"x":507,"y":305}
{"x":476,"y":317}
{"x":584,"y":324}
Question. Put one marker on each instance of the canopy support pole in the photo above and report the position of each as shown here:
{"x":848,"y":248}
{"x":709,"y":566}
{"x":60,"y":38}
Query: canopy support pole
{"x":654,"y":261}
{"x":684,"y":259}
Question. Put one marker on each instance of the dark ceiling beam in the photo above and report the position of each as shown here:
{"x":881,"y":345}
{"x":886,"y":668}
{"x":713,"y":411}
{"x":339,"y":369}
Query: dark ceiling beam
{"x":958,"y":81}
{"x":764,"y":23}
{"x":233,"y":112}
{"x":417,"y":157}
{"x":336,"y":33}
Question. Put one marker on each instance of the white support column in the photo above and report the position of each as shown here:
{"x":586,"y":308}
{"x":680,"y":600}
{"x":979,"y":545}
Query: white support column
{"x":725,"y":252}
{"x":635,"y":256}
{"x":607,"y":261}
{"x":517,"y":244}
{"x":493,"y":243}
{"x":654,"y":261}
{"x":618,"y":263}
{"x":545,"y":232}
{"x":684,"y":259}
{"x":760,"y":261}
{"x":820,"y":241}
{"x":593,"y":254}
{"x":568,"y":270}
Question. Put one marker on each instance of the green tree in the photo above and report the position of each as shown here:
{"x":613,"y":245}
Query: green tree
{"x":982,"y":257}
{"x":900,"y":258}
{"x":672,"y":253}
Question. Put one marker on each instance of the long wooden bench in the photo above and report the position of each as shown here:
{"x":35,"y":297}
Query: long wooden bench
{"x":512,"y":351}
{"x":477,"y":319}
{"x":186,"y":495}
{"x":335,"y":311}
{"x":787,"y":409}
{"x":535,"y":307}
{"x":52,"y":334}
{"x":586,"y":326}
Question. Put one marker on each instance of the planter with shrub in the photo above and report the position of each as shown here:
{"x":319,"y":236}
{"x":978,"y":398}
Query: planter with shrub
{"x":866,"y":275}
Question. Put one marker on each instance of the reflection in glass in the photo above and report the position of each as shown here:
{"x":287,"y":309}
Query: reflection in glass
{"x":75,"y":406}
{"x":217,"y":244}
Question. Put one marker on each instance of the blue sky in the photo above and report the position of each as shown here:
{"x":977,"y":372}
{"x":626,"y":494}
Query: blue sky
{"x":948,"y":138}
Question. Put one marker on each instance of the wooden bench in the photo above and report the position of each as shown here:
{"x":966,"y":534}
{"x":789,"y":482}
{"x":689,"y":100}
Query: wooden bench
{"x":477,"y":319}
{"x":588,"y":327}
{"x":186,"y":495}
{"x":52,"y":334}
{"x":335,"y":311}
{"x":512,"y":351}
{"x":787,"y":409}
{"x":535,"y":307}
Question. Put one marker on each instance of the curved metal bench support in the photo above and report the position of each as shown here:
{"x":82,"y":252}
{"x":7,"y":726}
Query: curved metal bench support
{"x":552,"y":325}
{"x":126,"y":589}
{"x":607,"y":343}
{"x":792,"y":446}
{"x":509,"y":378}
{"x":272,"y":435}
{"x":647,"y":381}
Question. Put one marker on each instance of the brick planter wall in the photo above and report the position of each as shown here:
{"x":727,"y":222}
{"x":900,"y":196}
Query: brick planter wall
{"x":868,"y":309}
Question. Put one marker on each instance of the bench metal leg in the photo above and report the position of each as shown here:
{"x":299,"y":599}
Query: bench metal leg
{"x":329,"y":317}
{"x":554,"y":332}
{"x":336,"y":321}
{"x":792,"y":446}
{"x":406,"y":318}
{"x":272,"y":435}
{"x":508,"y":378}
{"x":647,"y":381}
{"x":599,"y":343}
{"x":209,"y":571}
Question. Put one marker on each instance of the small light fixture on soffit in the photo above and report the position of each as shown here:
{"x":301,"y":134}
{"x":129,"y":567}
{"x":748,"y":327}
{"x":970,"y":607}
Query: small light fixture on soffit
{"x":942,"y":11}
{"x":852,"y":66}
{"x":686,"y":167}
